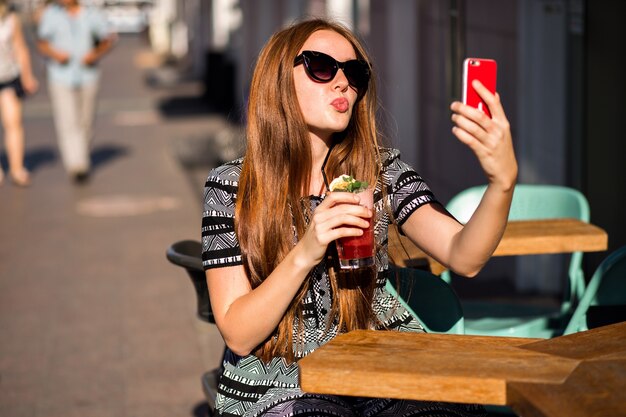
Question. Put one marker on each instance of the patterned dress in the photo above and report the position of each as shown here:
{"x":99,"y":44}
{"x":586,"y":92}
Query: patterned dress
{"x":250,"y":387}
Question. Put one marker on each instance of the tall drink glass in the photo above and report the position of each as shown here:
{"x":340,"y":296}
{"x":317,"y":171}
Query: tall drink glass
{"x":358,"y":251}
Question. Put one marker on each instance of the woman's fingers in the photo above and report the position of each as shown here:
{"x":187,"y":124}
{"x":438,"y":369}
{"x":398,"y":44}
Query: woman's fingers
{"x":329,"y":236}
{"x":339,"y":197}
{"x":467,"y":139}
{"x":30,"y":84}
{"x":343,"y":215}
{"x":498,"y":117}
{"x":491,"y":100}
{"x":339,"y":215}
{"x":471,"y":126}
{"x":343,"y":203}
{"x":489,"y":138}
{"x":477,"y":123}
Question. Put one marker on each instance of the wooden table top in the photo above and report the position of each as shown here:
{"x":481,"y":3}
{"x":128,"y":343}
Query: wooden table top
{"x":540,"y":377}
{"x":523,"y":237}
{"x":434,"y":367}
{"x":594,"y":388}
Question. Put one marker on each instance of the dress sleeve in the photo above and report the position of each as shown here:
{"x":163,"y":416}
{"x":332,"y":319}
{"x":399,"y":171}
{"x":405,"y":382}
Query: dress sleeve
{"x":220,"y":247}
{"x":406,"y":188}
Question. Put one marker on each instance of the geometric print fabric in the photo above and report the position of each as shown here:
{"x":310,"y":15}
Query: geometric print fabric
{"x":249,"y":386}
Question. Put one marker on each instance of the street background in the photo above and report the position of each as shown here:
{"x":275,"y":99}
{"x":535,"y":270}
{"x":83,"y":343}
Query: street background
{"x":94,"y":321}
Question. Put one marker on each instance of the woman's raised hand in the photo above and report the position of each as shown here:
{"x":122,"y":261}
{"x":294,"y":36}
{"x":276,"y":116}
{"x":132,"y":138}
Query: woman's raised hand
{"x":489,"y":139}
{"x":339,"y":215}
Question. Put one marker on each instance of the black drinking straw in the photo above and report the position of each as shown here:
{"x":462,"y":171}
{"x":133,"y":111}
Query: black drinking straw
{"x":324,"y":165}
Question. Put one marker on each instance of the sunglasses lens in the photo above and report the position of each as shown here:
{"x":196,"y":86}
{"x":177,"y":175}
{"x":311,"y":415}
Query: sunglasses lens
{"x":322,"y":67}
{"x":357,"y":73}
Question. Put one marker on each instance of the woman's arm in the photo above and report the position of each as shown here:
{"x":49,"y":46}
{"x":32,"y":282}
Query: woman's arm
{"x":246,"y":317}
{"x":29,"y":82}
{"x":465,"y":249}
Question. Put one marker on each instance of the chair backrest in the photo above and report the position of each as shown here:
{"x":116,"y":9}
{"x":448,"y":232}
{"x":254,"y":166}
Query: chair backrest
{"x":533,"y":202}
{"x":188,"y":254}
{"x":606,"y":291}
{"x":428,"y":298}
{"x":530,"y":202}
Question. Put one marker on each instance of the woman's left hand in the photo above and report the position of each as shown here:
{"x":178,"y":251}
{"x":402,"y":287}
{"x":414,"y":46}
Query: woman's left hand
{"x":30,"y":84}
{"x":489,"y":138}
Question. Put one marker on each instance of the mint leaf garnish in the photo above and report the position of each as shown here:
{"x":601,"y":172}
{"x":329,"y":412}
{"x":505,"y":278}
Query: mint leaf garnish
{"x":347,"y":183}
{"x":356,"y":186}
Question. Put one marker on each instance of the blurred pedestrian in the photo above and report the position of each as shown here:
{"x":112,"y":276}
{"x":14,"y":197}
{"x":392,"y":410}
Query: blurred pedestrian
{"x":16,"y":80}
{"x":41,"y":7}
{"x":74,"y":38}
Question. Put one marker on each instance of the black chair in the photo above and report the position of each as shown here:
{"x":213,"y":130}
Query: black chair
{"x":188,"y":254}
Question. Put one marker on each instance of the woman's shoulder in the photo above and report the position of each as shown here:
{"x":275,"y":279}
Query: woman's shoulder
{"x":227,"y":173}
{"x":393,"y":167}
{"x":388,"y":156}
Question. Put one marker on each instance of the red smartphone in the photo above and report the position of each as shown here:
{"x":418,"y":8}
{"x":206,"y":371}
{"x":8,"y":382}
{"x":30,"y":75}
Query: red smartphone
{"x":485,"y":71}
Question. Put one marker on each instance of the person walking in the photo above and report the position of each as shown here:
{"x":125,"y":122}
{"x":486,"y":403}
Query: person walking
{"x":16,"y":80}
{"x":74,"y":38}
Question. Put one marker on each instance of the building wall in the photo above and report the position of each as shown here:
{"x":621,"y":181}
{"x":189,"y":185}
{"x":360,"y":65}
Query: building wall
{"x":449,"y":165}
{"x":605,"y":140}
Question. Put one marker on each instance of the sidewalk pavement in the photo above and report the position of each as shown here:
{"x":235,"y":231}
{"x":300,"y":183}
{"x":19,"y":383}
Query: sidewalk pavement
{"x":94,"y":321}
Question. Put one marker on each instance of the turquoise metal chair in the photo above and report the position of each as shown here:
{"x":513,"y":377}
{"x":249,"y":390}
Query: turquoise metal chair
{"x":604,"y":300}
{"x":428,"y":298}
{"x":530,"y":202}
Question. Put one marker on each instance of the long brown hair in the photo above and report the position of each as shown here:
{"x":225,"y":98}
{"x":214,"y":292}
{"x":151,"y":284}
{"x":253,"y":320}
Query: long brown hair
{"x":277,"y":171}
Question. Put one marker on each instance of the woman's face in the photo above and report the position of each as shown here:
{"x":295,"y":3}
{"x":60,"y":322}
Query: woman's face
{"x":327,"y":107}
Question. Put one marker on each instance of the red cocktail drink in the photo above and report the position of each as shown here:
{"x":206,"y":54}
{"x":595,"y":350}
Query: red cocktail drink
{"x":358,"y":251}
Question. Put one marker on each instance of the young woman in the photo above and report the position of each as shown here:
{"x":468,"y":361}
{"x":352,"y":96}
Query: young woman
{"x":269,"y":225}
{"x":16,"y":79}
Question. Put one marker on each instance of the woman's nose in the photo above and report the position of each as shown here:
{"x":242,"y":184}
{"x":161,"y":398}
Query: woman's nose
{"x":340,"y":81}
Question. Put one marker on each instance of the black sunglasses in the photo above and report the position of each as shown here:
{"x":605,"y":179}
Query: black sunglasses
{"x":323,"y":68}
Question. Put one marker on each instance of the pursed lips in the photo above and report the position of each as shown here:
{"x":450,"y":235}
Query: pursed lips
{"x":340,"y":104}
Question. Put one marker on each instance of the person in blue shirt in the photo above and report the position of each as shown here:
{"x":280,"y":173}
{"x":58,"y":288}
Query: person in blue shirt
{"x":74,"y":38}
